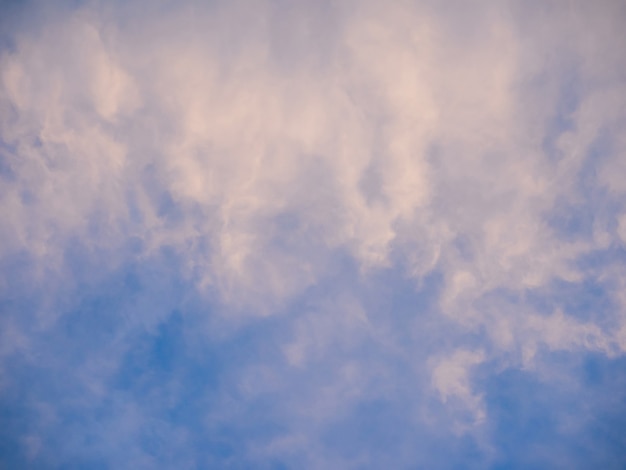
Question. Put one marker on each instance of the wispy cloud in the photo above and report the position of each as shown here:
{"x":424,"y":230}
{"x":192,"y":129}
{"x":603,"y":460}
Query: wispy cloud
{"x":263,"y":234}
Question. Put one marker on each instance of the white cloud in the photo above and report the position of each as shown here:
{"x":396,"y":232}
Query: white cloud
{"x":397,"y":132}
{"x":451,"y":379}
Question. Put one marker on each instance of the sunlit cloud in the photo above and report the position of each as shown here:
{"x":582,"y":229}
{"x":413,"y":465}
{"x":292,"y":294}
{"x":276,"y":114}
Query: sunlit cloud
{"x":261,"y":234}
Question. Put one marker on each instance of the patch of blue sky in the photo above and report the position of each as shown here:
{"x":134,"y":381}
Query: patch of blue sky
{"x":590,"y":300}
{"x":174,"y":384}
{"x":559,"y":421}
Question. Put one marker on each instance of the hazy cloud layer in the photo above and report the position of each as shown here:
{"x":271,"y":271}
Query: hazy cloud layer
{"x":313,"y":235}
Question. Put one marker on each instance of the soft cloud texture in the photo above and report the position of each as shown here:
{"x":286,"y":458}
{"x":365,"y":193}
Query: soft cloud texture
{"x":313,"y":234}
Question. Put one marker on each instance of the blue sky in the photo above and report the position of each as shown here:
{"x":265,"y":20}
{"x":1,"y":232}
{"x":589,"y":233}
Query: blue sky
{"x":334,"y":235}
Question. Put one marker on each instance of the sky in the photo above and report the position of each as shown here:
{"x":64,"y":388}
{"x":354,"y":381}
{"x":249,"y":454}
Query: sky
{"x":314,"y":234}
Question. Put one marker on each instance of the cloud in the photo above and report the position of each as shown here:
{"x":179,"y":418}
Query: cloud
{"x":277,"y":176}
{"x":451,"y":380}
